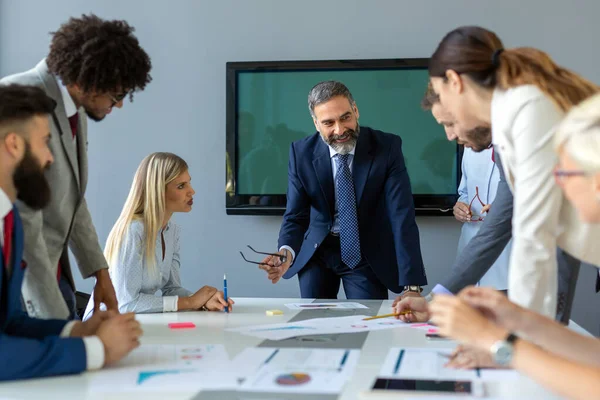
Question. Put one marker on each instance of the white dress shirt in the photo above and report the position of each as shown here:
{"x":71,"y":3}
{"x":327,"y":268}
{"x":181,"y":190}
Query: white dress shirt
{"x":70,"y":108}
{"x":5,"y":207}
{"x":94,"y":348}
{"x":480,"y":172}
{"x":523,"y":122}
{"x":335,"y":228}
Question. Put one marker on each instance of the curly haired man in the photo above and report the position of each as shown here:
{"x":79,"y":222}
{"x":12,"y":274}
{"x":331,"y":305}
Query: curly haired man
{"x":93,"y":65}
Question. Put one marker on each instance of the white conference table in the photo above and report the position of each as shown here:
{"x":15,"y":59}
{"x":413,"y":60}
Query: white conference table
{"x":251,"y":311}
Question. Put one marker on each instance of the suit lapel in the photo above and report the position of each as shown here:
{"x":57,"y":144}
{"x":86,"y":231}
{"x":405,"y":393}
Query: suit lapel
{"x":363,"y":158}
{"x":60,"y":117}
{"x":322,"y":166}
{"x":82,"y":150}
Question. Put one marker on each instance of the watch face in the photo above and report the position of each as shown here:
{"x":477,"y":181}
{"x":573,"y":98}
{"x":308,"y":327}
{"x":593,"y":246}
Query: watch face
{"x":503,"y":354}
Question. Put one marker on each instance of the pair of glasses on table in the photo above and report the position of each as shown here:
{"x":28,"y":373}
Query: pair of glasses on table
{"x":476,"y":218}
{"x":282,"y":257}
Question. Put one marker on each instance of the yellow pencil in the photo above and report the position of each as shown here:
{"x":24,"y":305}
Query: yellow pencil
{"x":388,"y":315}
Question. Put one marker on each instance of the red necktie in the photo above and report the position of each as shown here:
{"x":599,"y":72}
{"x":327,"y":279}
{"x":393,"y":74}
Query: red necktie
{"x":9,"y":224}
{"x":73,"y":121}
{"x":493,"y":160}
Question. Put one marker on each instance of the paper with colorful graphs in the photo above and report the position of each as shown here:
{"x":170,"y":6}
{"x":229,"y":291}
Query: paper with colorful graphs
{"x":319,"y":326}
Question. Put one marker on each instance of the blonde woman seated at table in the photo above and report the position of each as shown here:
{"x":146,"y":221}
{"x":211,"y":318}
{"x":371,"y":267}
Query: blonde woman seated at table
{"x":484,"y":318}
{"x":142,"y":248}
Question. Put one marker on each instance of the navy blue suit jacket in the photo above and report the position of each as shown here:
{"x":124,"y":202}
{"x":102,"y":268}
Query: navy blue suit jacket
{"x":29,"y":347}
{"x":389,"y":236}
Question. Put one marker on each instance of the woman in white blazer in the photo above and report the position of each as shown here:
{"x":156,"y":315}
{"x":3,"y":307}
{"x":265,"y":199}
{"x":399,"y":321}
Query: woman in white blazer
{"x":522,"y":94}
{"x":548,"y":352}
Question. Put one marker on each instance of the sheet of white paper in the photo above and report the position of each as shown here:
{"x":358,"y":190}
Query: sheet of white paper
{"x":295,"y":370}
{"x":441,"y":397}
{"x":168,"y":368}
{"x":421,"y":364}
{"x":424,"y":327}
{"x":319,"y":326}
{"x":499,"y":374}
{"x":324,"y":306}
{"x":174,"y":354}
{"x":429,"y":363}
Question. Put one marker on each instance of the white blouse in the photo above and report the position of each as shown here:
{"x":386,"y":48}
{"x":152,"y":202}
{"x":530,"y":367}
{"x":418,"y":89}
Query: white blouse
{"x":136,"y":283}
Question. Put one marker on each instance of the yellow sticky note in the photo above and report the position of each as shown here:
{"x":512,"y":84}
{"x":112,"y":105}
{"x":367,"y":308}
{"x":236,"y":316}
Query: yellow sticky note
{"x":270,"y":313}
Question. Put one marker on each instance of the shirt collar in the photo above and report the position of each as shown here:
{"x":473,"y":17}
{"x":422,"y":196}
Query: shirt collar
{"x":333,"y":153}
{"x":68,"y":102}
{"x":5,"y":204}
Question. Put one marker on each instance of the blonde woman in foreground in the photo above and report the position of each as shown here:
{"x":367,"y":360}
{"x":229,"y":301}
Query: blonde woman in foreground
{"x":142,"y":248}
{"x":486,"y":319}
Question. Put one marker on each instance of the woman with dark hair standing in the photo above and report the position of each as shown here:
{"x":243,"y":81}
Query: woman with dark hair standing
{"x":521,"y":94}
{"x":551,"y":354}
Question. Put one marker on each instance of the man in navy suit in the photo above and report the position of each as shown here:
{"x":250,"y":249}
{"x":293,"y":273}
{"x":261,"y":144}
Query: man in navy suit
{"x":29,"y":347}
{"x":350,"y":214}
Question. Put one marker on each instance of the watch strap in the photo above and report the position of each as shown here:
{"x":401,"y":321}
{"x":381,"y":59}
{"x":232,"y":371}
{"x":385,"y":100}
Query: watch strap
{"x":511,"y":338}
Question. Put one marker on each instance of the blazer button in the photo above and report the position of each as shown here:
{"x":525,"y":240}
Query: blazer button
{"x":316,"y":245}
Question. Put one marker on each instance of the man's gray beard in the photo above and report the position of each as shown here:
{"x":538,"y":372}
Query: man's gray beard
{"x":343,"y":148}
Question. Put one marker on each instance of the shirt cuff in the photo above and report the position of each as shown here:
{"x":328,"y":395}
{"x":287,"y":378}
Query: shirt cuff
{"x":291,"y":251}
{"x":66,"y":331}
{"x":438,"y":289}
{"x":170,"y":303}
{"x":94,"y":350}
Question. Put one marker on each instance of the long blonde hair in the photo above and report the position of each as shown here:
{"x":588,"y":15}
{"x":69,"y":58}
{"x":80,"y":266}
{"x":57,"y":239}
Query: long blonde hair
{"x":579,"y":134}
{"x":145,"y":203}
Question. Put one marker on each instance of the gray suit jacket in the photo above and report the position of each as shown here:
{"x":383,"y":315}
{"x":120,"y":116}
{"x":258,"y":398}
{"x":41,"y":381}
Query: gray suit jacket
{"x":484,"y":248}
{"x":65,"y":222}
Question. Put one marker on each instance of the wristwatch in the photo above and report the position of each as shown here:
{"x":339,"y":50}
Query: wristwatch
{"x":502,"y":350}
{"x":411,"y":288}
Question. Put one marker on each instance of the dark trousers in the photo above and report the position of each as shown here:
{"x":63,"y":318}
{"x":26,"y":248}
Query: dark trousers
{"x":568,"y":272}
{"x":69,"y":296}
{"x":320,"y":278}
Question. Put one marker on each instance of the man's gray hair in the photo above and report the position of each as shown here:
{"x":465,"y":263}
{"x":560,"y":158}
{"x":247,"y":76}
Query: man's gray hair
{"x":325,"y":91}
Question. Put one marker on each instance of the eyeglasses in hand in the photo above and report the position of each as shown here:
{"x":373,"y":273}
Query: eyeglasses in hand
{"x":282,"y":257}
{"x":476,"y":218}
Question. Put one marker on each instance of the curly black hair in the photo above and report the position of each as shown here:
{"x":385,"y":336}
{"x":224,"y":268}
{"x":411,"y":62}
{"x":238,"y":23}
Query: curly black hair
{"x":98,"y":55}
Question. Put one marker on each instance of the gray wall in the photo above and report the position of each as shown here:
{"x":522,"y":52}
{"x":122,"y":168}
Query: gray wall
{"x":183,"y":110}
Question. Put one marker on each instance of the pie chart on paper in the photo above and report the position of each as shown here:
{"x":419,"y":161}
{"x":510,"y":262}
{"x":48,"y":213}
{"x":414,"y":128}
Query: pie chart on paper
{"x":293,"y":379}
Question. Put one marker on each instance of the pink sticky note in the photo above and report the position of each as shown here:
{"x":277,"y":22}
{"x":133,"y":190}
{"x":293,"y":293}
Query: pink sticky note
{"x":419,"y":325}
{"x":181,"y":325}
{"x":432,"y":331}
